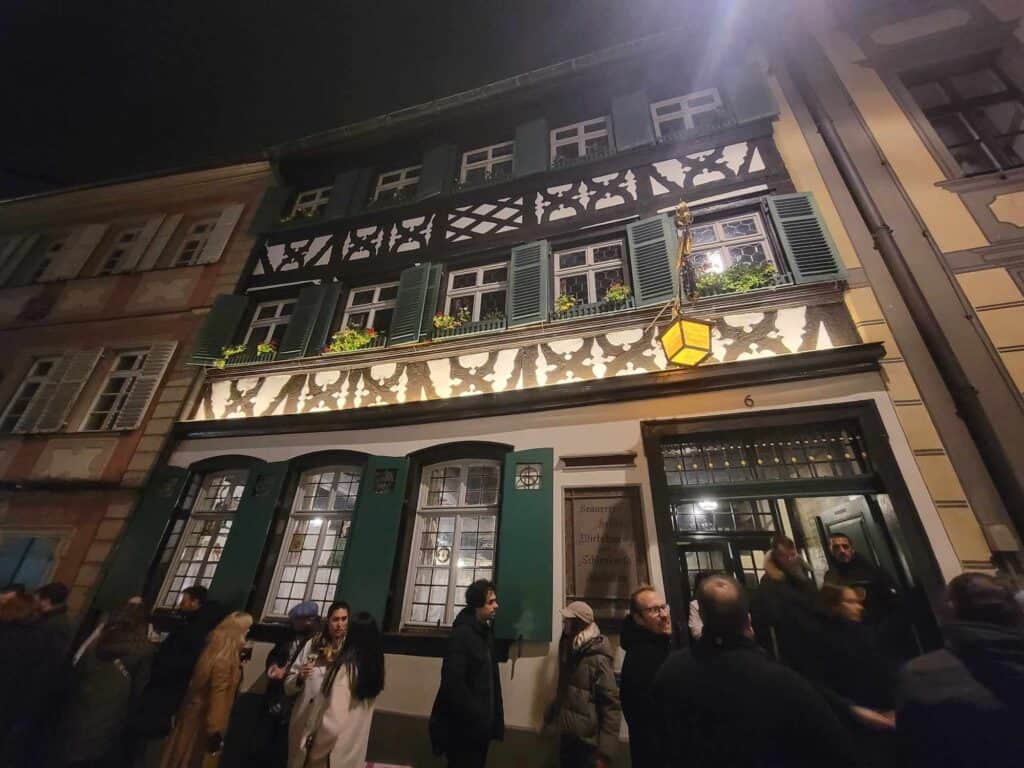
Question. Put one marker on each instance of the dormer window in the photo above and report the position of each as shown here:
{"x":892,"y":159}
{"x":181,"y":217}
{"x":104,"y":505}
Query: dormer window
{"x":397,"y":185}
{"x":591,"y":138}
{"x":311,"y":203}
{"x":694,"y":111}
{"x":486,"y":163}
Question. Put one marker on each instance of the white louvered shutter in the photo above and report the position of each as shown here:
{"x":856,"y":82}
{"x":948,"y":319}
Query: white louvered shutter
{"x":36,"y":406}
{"x":70,"y":261}
{"x":135,"y":406}
{"x":140,"y":245}
{"x":77,"y":367}
{"x":221,"y":234}
{"x":159,"y":242}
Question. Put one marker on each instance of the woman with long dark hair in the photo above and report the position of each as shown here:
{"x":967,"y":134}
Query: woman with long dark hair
{"x":337,"y":733}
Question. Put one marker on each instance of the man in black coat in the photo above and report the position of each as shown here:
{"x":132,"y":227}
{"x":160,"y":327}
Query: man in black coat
{"x":850,"y":569}
{"x":964,"y":705}
{"x":727,"y":703}
{"x":785,"y":616}
{"x":468,"y":711}
{"x":648,"y":636}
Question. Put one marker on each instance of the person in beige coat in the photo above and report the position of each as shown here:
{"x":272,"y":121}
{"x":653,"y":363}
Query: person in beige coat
{"x":337,"y":731}
{"x":199,"y":727}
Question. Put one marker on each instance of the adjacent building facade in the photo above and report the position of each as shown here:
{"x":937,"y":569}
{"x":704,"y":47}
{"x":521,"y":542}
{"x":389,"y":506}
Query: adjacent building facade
{"x":101,"y":292}
{"x":443,"y":362}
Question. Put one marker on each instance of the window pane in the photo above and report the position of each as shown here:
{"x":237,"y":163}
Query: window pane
{"x":981,"y":82}
{"x":596,"y":144}
{"x":575,"y":285}
{"x":492,"y":305}
{"x":482,"y":485}
{"x":459,"y":303}
{"x":382,"y":320}
{"x":973,"y":158}
{"x":605,"y":280}
{"x":358,"y":319}
{"x":496,"y":275}
{"x":608,"y":253}
{"x":751,"y":254}
{"x":388,"y":293}
{"x":928,"y":95}
{"x":467,"y":280}
{"x":567,"y":152}
{"x":739,"y":228}
{"x":503,"y":151}
{"x":572,"y":259}
{"x":362,"y":297}
{"x":1005,"y":117}
{"x":443,"y":489}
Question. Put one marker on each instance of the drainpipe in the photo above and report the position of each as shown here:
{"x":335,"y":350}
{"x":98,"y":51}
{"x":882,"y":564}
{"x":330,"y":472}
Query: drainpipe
{"x":965,"y":396}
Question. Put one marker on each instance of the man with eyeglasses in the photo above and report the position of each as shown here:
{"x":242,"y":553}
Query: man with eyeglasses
{"x":648,"y":636}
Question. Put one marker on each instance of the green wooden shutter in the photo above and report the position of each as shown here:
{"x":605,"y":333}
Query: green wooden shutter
{"x":438,"y":171}
{"x":219,"y":328}
{"x":373,"y":540}
{"x":139,"y":545}
{"x":529,"y":296}
{"x":748,"y":95}
{"x":525,"y":535}
{"x":325,"y":320}
{"x":308,"y":320}
{"x":652,"y":254}
{"x":631,"y":120}
{"x":243,"y":551}
{"x":349,"y":192}
{"x":532,"y":152}
{"x":812,"y":255}
{"x":430,"y":301}
{"x":407,"y":324}
{"x":271,"y":209}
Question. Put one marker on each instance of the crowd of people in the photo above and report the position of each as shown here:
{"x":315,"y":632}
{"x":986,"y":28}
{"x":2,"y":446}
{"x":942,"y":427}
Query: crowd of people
{"x":794,"y":675}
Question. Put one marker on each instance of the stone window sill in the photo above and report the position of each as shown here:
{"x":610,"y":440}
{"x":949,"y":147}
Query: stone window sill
{"x":988,"y":181}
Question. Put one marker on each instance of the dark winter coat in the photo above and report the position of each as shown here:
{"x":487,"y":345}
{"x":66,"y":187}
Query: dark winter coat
{"x":58,"y":624}
{"x":965,"y":705}
{"x":468,"y":707}
{"x":850,"y":663}
{"x":731,"y":704}
{"x":171,"y":670}
{"x":785,"y":616}
{"x":587,"y":706}
{"x":109,"y":680}
{"x":645,"y":653}
{"x":30,"y":674}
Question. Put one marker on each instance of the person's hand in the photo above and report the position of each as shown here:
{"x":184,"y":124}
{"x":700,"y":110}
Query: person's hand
{"x":275,"y":672}
{"x":214,"y":742}
{"x":305,"y":671}
{"x":879,"y":721}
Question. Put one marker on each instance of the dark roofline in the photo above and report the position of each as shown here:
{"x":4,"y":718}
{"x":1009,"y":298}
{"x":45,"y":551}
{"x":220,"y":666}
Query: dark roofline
{"x":249,"y":157}
{"x":440,"y":107}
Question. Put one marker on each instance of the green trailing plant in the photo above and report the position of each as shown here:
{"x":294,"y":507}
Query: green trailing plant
{"x":350,"y":339}
{"x":444,"y":322}
{"x":740,"y":278}
{"x":565,"y":301}
{"x":617,"y":292}
{"x":493,"y":316}
{"x":267,"y":347}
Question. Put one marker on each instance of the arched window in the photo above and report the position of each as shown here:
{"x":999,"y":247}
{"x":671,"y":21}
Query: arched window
{"x":198,"y":540}
{"x":454,"y":539}
{"x":314,"y":543}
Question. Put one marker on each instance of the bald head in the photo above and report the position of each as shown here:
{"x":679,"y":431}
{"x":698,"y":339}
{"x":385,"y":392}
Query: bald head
{"x":724,"y":608}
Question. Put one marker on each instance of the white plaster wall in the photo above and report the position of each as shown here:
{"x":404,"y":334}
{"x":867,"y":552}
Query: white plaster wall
{"x":616,"y":427}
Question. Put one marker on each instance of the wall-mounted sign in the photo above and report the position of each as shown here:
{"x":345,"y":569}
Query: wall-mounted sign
{"x":606,"y":557}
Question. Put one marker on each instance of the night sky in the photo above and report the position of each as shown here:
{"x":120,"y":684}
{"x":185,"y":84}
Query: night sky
{"x":97,"y":90}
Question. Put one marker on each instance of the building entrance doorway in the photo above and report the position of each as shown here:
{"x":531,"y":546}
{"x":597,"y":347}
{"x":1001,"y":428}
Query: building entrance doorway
{"x":723,"y":491}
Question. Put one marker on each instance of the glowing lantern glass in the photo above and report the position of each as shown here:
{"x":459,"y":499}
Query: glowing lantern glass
{"x":687,"y":341}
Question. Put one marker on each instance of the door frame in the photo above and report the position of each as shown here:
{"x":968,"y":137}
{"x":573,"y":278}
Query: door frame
{"x":886,"y":478}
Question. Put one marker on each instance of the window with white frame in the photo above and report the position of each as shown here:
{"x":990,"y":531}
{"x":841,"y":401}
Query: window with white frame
{"x":269,"y":321}
{"x":198,"y":541}
{"x":195,"y":241}
{"x":399,"y":184}
{"x":589,"y":138}
{"x":123,"y":375}
{"x":454,"y":540}
{"x":37,"y":377}
{"x":730,"y":242}
{"x":700,"y":109}
{"x":479,"y":291}
{"x":314,"y":543}
{"x":371,"y":306}
{"x":586,"y":273}
{"x":124,"y":241}
{"x":53,"y":251}
{"x":481,"y":164}
{"x":311,"y":202}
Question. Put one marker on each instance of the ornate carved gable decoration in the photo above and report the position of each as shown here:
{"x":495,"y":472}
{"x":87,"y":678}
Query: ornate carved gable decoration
{"x":523,"y":215}
{"x":631,"y":351}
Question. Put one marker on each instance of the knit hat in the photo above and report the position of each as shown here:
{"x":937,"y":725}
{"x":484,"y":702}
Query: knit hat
{"x":306,"y":610}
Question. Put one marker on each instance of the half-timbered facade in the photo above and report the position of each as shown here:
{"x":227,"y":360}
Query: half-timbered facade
{"x":443,"y":363}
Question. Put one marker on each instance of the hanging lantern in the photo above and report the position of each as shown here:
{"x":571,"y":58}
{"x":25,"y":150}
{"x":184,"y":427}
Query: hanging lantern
{"x":687,"y":341}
